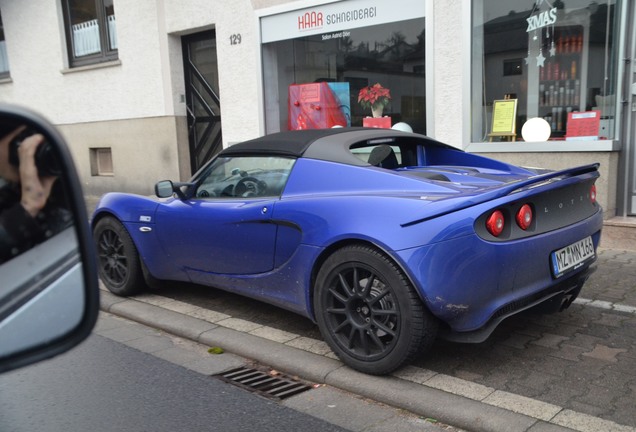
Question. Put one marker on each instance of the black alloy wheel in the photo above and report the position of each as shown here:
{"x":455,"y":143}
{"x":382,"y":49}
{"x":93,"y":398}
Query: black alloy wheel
{"x":117,"y":258}
{"x":369,"y":313}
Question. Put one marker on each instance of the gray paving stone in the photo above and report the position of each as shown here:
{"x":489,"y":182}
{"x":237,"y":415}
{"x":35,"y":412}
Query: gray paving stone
{"x":407,"y":424}
{"x":514,"y":387}
{"x":215,"y":364}
{"x":128,"y":333}
{"x":562,"y":395}
{"x":155,"y":316}
{"x":108,"y":322}
{"x":624,"y":409}
{"x":538,"y":380}
{"x":107,"y":299}
{"x":519,"y":341}
{"x":605,"y":353}
{"x":150,"y":344}
{"x":549,"y":340}
{"x":178,"y":355}
{"x":288,"y":359}
{"x":548,"y":427}
{"x":448,"y":408}
{"x":585,"y":341}
{"x":328,"y":404}
{"x":568,"y":352}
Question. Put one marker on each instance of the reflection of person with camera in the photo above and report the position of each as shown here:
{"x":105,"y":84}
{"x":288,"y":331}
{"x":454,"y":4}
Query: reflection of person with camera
{"x":26,"y":215}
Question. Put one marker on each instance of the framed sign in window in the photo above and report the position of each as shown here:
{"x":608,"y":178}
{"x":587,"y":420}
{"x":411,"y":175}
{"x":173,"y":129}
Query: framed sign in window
{"x":504,"y":119}
{"x":583,"y":125}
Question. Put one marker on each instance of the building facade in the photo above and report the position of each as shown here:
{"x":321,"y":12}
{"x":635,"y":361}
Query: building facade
{"x":150,"y":89}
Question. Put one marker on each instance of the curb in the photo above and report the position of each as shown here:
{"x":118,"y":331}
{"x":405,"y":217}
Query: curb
{"x":421,"y":392}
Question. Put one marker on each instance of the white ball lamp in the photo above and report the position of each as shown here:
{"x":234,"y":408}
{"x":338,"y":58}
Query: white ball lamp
{"x":536,"y":129}
{"x":401,"y":126}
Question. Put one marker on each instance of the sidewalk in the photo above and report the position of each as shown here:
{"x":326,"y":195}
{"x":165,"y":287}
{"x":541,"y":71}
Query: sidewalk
{"x":461,"y":401}
{"x":337,"y":407}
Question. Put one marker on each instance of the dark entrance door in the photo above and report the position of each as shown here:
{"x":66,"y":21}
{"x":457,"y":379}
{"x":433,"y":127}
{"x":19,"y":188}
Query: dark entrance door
{"x":202,"y":97}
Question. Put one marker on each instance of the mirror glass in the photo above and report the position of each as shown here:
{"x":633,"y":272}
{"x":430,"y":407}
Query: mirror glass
{"x":164,"y":189}
{"x":44,"y":291}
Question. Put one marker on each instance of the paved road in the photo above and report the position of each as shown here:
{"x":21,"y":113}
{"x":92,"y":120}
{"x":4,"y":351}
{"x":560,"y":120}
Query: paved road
{"x":583,"y":359}
{"x":106,"y":386}
{"x":129,"y":377}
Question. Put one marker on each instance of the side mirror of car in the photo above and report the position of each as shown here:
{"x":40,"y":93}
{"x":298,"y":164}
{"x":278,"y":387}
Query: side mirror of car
{"x":165,"y":189}
{"x":49,"y":297}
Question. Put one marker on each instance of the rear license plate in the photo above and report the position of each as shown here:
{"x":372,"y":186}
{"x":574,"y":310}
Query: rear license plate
{"x":572,"y":257}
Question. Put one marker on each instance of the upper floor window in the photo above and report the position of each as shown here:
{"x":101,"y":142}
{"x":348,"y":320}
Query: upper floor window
{"x":4,"y":60}
{"x":90,"y":31}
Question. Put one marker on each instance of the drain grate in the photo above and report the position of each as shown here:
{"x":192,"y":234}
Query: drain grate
{"x":270,"y":384}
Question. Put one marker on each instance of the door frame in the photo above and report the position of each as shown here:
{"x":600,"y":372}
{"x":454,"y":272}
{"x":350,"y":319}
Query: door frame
{"x":205,"y":145}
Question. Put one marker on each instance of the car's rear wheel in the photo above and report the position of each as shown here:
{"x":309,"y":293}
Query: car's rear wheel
{"x":368,"y":312}
{"x":118,"y":259}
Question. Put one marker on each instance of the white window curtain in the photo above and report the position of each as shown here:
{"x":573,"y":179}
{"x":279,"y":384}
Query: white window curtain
{"x":4,"y":60}
{"x":112,"y":32}
{"x":86,"y":38}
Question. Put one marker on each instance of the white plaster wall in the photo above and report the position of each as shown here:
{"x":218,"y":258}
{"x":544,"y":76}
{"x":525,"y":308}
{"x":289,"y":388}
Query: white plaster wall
{"x":239,"y":67}
{"x":448,"y":63}
{"x":147,"y":80}
{"x":239,"y":78}
{"x":132,"y":88}
{"x":143,"y":152}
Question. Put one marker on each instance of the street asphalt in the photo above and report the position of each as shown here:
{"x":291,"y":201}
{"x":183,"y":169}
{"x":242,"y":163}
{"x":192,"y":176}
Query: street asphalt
{"x":581,"y":374}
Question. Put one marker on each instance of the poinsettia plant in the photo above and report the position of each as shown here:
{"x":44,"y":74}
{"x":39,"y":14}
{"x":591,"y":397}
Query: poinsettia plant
{"x":373,"y":97}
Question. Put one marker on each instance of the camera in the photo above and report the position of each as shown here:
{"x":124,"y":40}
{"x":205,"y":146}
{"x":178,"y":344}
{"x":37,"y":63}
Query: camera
{"x":46,"y":160}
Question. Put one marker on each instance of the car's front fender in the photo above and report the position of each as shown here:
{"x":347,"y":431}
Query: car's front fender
{"x":126,"y":207}
{"x":137,"y":214}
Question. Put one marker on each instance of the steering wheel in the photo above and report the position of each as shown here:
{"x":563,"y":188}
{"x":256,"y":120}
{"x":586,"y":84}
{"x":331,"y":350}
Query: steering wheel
{"x":248,"y":187}
{"x":205,"y":194}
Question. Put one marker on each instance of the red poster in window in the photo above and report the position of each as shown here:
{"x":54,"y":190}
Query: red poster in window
{"x":583,"y":125}
{"x":377,"y":122}
{"x":313,"y":106}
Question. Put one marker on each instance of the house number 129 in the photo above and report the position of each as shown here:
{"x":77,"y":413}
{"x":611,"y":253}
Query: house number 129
{"x":235,"y":39}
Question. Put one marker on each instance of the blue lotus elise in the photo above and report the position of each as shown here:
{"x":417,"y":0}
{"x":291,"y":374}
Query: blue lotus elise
{"x":386,"y":239}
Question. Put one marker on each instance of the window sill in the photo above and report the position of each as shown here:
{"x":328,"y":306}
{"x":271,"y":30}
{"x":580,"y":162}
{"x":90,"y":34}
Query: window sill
{"x":6,"y":80}
{"x":92,"y":67}
{"x":545,"y":147}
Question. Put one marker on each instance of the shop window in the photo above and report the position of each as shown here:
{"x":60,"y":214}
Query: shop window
{"x":4,"y":59}
{"x":389,"y":54}
{"x":558,"y":58}
{"x":91,"y":33}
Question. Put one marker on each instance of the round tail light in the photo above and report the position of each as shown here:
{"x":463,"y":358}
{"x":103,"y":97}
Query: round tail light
{"x":495,"y":223}
{"x":524,"y":217}
{"x":593,"y":194}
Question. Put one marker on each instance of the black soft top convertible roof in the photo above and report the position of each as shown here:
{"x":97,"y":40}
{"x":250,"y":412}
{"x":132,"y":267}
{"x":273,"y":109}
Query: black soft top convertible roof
{"x":326,"y":144}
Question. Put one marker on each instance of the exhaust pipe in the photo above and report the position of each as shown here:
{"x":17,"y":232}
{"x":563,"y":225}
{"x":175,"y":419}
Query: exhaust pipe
{"x":566,"y":301}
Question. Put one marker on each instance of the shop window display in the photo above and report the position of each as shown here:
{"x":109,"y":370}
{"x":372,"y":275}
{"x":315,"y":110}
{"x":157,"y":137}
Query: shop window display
{"x":568,"y":52}
{"x":348,"y":61}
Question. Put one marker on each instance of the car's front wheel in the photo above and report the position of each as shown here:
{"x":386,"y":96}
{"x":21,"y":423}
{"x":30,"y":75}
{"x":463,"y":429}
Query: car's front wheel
{"x":118,"y":259}
{"x":368,"y":312}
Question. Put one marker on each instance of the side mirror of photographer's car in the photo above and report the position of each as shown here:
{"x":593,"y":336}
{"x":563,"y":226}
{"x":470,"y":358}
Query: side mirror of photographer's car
{"x":49,"y":296}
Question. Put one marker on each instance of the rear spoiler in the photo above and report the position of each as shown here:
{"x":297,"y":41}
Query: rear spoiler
{"x":452,"y":205}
